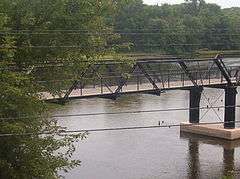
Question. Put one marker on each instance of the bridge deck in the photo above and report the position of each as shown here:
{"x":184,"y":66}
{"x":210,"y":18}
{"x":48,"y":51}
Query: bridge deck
{"x":102,"y":91}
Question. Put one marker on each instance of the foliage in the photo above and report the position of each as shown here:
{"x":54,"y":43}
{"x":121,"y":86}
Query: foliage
{"x":36,"y":43}
{"x":182,"y":28}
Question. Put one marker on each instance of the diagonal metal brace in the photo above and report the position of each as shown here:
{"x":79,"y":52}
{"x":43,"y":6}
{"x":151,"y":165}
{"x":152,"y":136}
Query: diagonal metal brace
{"x":218,"y":61}
{"x":237,"y":73}
{"x":75,"y":83}
{"x":155,"y":75}
{"x":123,"y":81}
{"x":140,"y":66}
{"x":223,"y":64}
{"x":187,"y":72}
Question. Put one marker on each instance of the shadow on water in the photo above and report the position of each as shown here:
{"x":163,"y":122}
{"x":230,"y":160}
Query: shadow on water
{"x":194,"y":141}
{"x":125,"y":102}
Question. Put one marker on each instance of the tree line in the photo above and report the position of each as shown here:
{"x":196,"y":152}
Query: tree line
{"x":181,"y":28}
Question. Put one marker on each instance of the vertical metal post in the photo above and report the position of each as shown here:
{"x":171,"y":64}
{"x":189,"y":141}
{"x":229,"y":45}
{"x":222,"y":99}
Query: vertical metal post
{"x":209,"y":77}
{"x":195,"y":98}
{"x":230,"y":107}
{"x":94,"y":85}
{"x":101,"y":83}
{"x":183,"y":79}
{"x":163,"y":81}
{"x":138,"y":83}
{"x":168,"y":78}
{"x":201,"y":77}
{"x":81,"y":88}
{"x":196,"y":77}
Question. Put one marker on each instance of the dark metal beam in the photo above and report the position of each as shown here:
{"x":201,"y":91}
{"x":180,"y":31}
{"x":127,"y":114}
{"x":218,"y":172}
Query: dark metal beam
{"x":187,"y":72}
{"x":66,"y":96}
{"x":155,"y":75}
{"x":194,"y":104}
{"x":123,"y":81}
{"x":75,"y":83}
{"x":218,"y":61}
{"x":94,"y":68}
{"x":158,"y":90}
{"x":230,"y":107}
{"x":225,"y":67}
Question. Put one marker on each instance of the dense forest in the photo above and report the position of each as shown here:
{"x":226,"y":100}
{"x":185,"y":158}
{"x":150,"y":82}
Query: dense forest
{"x":179,"y":28}
{"x":49,"y":34}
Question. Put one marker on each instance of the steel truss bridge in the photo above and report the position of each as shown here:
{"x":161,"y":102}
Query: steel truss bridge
{"x":111,"y":79}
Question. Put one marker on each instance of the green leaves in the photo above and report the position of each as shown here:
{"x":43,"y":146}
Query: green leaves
{"x":177,"y":29}
{"x":49,"y":41}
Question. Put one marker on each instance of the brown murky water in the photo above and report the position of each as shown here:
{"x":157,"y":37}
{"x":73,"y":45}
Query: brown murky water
{"x":149,"y":153}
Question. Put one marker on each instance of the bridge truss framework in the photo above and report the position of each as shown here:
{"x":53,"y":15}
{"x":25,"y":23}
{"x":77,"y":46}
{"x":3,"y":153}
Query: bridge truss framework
{"x":162,"y":74}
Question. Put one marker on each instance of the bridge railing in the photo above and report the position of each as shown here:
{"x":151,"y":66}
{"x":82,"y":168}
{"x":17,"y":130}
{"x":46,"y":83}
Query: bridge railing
{"x":167,"y":79}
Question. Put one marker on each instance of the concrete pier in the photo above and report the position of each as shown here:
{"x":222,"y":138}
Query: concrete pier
{"x":212,"y":130}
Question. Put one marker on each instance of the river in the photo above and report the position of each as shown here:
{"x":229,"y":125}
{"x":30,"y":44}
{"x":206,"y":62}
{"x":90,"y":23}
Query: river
{"x":161,"y":153}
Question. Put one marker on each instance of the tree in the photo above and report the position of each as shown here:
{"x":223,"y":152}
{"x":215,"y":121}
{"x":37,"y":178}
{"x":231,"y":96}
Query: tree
{"x":35,"y":41}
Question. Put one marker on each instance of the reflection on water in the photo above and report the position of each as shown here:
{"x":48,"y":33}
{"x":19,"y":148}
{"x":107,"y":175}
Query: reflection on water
{"x":150,"y":153}
{"x":228,"y":151}
{"x":193,"y":161}
{"x":228,"y":162}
